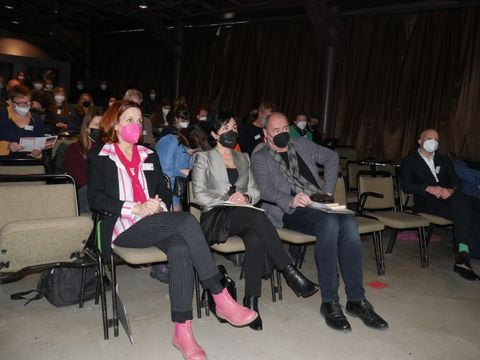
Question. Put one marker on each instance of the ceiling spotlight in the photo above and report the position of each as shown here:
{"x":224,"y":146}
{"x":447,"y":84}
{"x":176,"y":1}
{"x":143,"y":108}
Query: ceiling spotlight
{"x":229,"y":15}
{"x":143,"y":4}
{"x":9,"y":7}
{"x":15,"y":22}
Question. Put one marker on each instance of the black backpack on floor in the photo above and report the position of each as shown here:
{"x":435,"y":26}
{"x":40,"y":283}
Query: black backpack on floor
{"x":61,"y":286}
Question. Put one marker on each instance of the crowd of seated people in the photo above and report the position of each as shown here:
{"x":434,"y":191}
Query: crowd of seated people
{"x":248,"y":179}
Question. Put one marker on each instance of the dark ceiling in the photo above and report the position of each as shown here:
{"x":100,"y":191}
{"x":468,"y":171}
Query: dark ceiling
{"x":40,"y":17}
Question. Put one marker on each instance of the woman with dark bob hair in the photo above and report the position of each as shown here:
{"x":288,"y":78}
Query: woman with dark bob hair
{"x":125,"y":180}
{"x":224,"y":186}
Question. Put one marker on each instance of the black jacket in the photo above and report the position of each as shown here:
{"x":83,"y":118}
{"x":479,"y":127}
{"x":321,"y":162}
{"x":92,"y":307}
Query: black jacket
{"x":103,"y":191}
{"x":416,"y":176}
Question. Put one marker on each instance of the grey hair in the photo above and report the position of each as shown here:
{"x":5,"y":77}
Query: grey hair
{"x":131,"y":93}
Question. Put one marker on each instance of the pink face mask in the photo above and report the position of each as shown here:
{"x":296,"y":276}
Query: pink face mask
{"x":131,"y":133}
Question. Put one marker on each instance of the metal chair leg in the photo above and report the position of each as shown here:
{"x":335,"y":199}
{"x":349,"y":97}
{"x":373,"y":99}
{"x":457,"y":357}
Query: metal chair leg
{"x":114,"y":296}
{"x":382,"y":252}
{"x":82,"y":286}
{"x":197,"y":296}
{"x":272,"y":286}
{"x":279,"y":285}
{"x":302,"y":257}
{"x":375,"y":251}
{"x":103,"y":297}
{"x":391,"y":243}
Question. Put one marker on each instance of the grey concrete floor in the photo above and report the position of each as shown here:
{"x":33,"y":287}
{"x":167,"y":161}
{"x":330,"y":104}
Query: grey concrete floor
{"x":432,"y":313}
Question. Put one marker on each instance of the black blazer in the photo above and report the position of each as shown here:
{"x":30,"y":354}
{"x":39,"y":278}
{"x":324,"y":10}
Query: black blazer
{"x":416,"y":176}
{"x":103,"y":191}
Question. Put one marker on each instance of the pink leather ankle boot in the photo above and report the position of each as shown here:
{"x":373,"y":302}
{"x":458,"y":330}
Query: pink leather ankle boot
{"x":184,"y":341}
{"x":228,"y":309}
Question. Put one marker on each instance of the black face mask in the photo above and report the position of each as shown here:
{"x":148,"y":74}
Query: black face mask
{"x":229,"y":139}
{"x":281,"y":140}
{"x":36,"y":111}
{"x":95,"y":135}
{"x":86,"y":103}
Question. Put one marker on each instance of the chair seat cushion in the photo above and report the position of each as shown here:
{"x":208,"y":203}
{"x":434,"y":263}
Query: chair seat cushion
{"x":399,"y":220}
{"x":232,"y":245}
{"x":436,"y":220}
{"x":295,"y":237}
{"x":366,"y":225}
{"x":137,"y":256}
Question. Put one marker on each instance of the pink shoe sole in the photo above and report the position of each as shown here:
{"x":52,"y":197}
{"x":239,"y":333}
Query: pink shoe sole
{"x":185,"y":356}
{"x":239,"y":324}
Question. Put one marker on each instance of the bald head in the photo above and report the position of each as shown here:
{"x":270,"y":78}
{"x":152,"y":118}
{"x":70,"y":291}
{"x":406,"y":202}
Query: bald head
{"x":12,"y":83}
{"x":428,"y":141}
{"x":276,"y":123}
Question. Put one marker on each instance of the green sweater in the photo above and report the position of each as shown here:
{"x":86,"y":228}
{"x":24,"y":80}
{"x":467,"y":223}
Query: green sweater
{"x":295,"y":134}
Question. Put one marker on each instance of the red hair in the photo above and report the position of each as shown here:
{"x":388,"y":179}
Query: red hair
{"x":111,"y":118}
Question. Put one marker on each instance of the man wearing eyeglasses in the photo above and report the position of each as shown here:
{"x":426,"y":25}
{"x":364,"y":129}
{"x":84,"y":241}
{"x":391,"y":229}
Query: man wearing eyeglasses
{"x":16,"y":121}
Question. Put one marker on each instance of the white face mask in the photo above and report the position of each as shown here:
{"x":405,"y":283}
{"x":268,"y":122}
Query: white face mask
{"x":153,"y":96}
{"x":302,"y":125}
{"x":202,"y":118}
{"x":37,"y":86}
{"x":49,"y":87}
{"x":21,"y":78}
{"x":110,"y":103}
{"x":80,"y":86}
{"x":103,"y":87}
{"x":22,"y":111}
{"x":165,"y":111}
{"x":263,"y":121}
{"x":59,"y":99}
{"x":183,"y":124}
{"x":430,"y":145}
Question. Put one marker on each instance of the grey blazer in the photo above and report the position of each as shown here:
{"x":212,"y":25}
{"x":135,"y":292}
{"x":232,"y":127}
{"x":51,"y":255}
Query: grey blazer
{"x":274,"y":188}
{"x":210,"y":179}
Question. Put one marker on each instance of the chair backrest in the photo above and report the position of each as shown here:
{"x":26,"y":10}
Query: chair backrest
{"x":340,"y":193}
{"x":377,"y":184}
{"x":191,"y":199}
{"x":37,"y":201}
{"x":67,"y":140}
{"x":353,"y":168}
{"x":390,"y":168}
{"x":22,"y":169}
{"x":348,"y":152}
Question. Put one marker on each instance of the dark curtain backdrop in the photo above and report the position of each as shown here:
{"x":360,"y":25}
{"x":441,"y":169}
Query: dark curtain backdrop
{"x":400,"y":74}
{"x":231,"y":67}
{"x":405,"y":73}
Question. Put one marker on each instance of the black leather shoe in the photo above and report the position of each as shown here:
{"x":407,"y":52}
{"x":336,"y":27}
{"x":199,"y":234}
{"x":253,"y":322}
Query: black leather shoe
{"x":364,"y":310}
{"x":298,"y":282}
{"x":464,"y":268}
{"x":251,"y":302}
{"x":334,"y":317}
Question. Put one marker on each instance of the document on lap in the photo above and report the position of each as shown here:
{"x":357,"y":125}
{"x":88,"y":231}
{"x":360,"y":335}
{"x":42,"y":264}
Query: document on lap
{"x":228,"y":203}
{"x":331,"y":208}
{"x":39,"y":143}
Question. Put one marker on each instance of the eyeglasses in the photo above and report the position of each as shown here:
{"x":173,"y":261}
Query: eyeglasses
{"x":23,"y":103}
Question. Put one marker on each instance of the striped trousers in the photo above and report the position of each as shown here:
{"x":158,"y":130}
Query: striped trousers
{"x":180,"y":236}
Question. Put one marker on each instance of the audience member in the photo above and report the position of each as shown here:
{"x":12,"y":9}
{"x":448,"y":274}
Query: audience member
{"x":78,"y":90}
{"x":286,"y":173}
{"x":84,"y":106}
{"x":41,"y":107}
{"x":252,"y":134}
{"x":101,"y":94}
{"x":150,"y":103}
{"x":436,"y":190}
{"x":37,"y":84}
{"x":138,"y":201}
{"x":49,"y":85}
{"x":16,"y":121}
{"x":11,"y":82}
{"x":75,"y":156}
{"x":137,"y":97}
{"x":173,"y":151}
{"x":61,"y":116}
{"x":314,"y":127}
{"x":222,"y":175}
{"x":299,"y":127}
